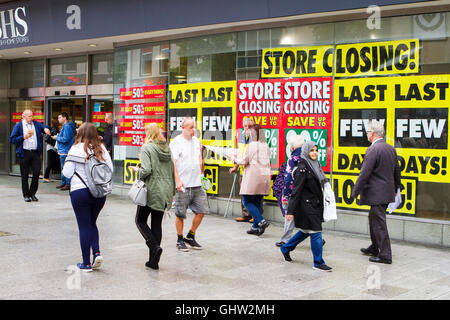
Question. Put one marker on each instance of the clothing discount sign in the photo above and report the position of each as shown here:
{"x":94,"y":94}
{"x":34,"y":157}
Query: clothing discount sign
{"x":290,"y":106}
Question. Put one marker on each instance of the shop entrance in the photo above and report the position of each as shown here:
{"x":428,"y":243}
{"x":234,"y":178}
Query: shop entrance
{"x":75,"y":108}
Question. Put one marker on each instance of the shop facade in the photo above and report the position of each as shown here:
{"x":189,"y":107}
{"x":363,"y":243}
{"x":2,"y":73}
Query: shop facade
{"x":322,"y":75}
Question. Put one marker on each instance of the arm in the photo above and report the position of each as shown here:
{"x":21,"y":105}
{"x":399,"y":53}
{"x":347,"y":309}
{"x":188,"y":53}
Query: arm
{"x":366,"y":170}
{"x":69,"y":169}
{"x":17,"y":137}
{"x":397,"y":173}
{"x":64,"y":135}
{"x":178,"y":183}
{"x":146,"y":163}
{"x":299,"y":182}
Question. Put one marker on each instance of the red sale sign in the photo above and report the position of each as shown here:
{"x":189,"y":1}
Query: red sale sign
{"x":142,"y":109}
{"x":290,"y":107}
{"x":131,"y":139}
{"x":148,"y":92}
{"x":138,"y":124}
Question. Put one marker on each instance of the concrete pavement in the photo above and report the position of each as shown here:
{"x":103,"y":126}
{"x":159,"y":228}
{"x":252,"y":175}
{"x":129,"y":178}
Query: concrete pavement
{"x":39,"y":242}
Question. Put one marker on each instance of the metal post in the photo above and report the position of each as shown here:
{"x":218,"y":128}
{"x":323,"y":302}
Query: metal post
{"x":231,"y":194}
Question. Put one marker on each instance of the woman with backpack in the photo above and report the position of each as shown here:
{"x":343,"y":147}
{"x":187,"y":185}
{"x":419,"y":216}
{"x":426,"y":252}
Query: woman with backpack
{"x":86,"y":207}
{"x":157,"y":171}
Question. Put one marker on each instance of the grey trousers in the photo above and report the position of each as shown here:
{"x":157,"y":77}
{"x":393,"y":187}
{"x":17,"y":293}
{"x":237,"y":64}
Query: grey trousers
{"x":288,"y":229}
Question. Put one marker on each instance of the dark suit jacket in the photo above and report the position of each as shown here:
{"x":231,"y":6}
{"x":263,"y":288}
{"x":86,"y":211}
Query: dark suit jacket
{"x":380,"y":175}
{"x":17,"y":137}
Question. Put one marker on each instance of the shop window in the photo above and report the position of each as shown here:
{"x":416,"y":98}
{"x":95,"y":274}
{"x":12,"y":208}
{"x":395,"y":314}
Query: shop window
{"x":67,"y":71}
{"x":27,"y":74}
{"x":102,"y":68}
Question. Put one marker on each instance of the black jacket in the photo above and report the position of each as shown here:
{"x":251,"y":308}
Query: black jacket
{"x":48,"y":138}
{"x":306,"y":202}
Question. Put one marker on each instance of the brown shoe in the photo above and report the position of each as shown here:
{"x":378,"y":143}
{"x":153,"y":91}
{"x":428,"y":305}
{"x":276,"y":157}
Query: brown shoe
{"x":59,"y":187}
{"x":243,"y":219}
{"x":64,"y":188}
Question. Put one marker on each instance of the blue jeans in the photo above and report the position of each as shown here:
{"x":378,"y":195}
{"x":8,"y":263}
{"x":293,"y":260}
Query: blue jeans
{"x":253,"y":204}
{"x":64,"y":181}
{"x":316,"y":245}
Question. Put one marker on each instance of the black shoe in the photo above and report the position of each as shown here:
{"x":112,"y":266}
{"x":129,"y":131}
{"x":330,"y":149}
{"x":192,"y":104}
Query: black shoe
{"x":33,"y":198}
{"x":262,"y":227}
{"x":194,"y":244}
{"x":279,"y":244}
{"x":287,"y":256}
{"x":27,"y":199}
{"x":182,"y":246}
{"x":148,"y":264}
{"x":369,"y":252}
{"x":323,"y":267}
{"x":253,"y":231}
{"x":380,"y":260}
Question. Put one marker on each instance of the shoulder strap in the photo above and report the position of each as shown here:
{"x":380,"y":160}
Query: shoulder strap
{"x":79,"y":177}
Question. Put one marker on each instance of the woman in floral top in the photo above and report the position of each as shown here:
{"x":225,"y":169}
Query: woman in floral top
{"x":296,"y":143}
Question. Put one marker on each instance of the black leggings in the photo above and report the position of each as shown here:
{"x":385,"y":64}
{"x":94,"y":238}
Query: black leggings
{"x":153,"y":235}
{"x":52,"y":163}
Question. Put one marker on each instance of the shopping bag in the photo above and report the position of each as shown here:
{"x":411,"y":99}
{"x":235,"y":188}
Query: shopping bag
{"x":329,"y":203}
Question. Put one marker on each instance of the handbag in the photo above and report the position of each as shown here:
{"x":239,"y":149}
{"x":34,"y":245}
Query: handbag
{"x":329,"y":203}
{"x":138,"y":192}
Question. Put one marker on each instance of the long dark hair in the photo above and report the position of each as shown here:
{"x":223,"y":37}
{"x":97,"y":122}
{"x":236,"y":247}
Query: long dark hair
{"x":87,"y":133}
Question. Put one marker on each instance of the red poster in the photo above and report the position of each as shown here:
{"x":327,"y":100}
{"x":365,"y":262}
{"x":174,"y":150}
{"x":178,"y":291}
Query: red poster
{"x":16,"y":117}
{"x":300,"y":106}
{"x":142,"y":109}
{"x":131,"y":139}
{"x":148,"y":92}
{"x":137,"y":124}
{"x":98,"y":117}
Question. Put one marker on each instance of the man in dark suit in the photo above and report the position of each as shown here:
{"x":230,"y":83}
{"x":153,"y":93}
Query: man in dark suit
{"x":377,"y":184}
{"x":27,"y":136}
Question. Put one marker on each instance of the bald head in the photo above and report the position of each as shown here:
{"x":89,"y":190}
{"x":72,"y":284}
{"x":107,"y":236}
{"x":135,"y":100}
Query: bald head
{"x":27,"y":115}
{"x":188,"y":128}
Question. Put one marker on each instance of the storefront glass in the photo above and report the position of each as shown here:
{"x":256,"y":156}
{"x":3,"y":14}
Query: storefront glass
{"x":68,"y":71}
{"x":140,"y":81}
{"x":102,"y":68}
{"x":4,"y":112}
{"x":27,"y":74}
{"x":323,"y":82}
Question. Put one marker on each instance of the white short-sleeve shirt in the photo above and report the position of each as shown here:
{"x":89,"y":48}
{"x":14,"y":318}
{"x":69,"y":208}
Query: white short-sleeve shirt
{"x":187,"y":155}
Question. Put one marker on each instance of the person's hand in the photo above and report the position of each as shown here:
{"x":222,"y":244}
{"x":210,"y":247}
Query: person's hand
{"x":289,"y":217}
{"x":180,"y":186}
{"x":135,"y":169}
{"x":54,"y":137}
{"x":232,"y":170}
{"x":284,"y":201}
{"x":47,"y":131}
{"x":100,"y":138}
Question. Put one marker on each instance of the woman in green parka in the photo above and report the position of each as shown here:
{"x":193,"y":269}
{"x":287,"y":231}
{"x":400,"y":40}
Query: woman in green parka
{"x":157,"y":172}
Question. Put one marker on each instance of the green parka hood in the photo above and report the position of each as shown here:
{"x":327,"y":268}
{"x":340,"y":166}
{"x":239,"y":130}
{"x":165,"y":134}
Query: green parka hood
{"x":163,"y":150}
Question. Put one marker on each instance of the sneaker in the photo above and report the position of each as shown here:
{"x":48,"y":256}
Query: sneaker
{"x":286,"y":256}
{"x":64,"y":188}
{"x":84,"y":267}
{"x":243,"y":219}
{"x":323,"y":267}
{"x":46,"y":180}
{"x":253,"y":231}
{"x":194,"y":244}
{"x":262,"y":227}
{"x":98,"y":260}
{"x":182,"y":246}
{"x":59,"y":187}
{"x":280,"y":244}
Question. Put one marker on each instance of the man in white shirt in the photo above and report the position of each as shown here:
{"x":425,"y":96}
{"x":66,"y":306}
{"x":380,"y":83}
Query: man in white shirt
{"x":187,"y":158}
{"x":27,"y":136}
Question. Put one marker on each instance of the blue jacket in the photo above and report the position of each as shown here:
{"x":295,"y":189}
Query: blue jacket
{"x":17,"y":137}
{"x":66,"y":137}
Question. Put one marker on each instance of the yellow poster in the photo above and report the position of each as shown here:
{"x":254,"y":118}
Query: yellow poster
{"x":346,"y":60}
{"x":212,"y":173}
{"x":213,"y":107}
{"x":343,"y":186}
{"x":129,"y":176}
{"x":415,"y":113}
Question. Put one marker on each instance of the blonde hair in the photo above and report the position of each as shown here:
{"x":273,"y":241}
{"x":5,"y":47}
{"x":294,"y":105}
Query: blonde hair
{"x":152,"y":132}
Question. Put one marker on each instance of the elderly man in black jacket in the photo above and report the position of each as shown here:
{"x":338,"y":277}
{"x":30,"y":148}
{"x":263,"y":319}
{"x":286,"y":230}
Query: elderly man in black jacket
{"x":377,"y":184}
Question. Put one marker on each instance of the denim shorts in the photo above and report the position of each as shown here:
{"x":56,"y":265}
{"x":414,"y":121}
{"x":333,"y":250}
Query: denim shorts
{"x":193,"y":198}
